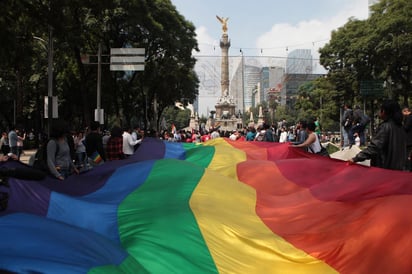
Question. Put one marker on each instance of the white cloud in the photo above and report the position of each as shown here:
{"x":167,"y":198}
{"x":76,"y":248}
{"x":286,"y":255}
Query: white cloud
{"x":207,"y":44}
{"x":311,"y":34}
{"x":284,"y":37}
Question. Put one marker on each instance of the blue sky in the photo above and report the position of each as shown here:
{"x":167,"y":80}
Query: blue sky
{"x":269,"y":26}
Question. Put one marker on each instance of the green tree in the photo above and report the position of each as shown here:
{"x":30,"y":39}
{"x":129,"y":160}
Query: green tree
{"x":18,"y":60}
{"x":344,"y":58}
{"x":78,"y":28}
{"x":378,"y":48}
{"x":391,"y":37}
{"x":318,"y":99}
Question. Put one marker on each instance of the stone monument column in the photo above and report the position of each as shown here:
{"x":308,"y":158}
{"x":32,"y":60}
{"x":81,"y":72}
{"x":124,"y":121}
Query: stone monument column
{"x":224,"y":45}
{"x":224,"y":82}
{"x":225,"y":107}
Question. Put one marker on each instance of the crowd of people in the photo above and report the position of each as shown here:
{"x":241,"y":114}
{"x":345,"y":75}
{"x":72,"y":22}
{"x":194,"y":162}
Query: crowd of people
{"x":281,"y":132}
{"x":72,"y":152}
{"x":68,"y":153}
{"x":14,"y":141}
{"x":390,"y":146}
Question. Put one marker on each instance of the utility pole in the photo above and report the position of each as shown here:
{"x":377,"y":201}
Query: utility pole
{"x":50,"y":81}
{"x":99,"y":112}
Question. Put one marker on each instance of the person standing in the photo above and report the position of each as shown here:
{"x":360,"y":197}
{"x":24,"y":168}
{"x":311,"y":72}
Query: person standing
{"x":79,"y":143}
{"x":215,"y":134}
{"x":268,"y":133}
{"x":358,"y":126}
{"x":94,"y":146}
{"x":129,"y":143}
{"x":387,"y":148}
{"x":105,"y":138}
{"x":283,"y":138}
{"x":318,"y":127}
{"x":21,"y":137}
{"x":347,"y":120}
{"x":13,"y":139}
{"x":302,"y":134}
{"x":59,"y":160}
{"x":4,"y":143}
{"x":251,"y":133}
{"x":114,"y":147}
{"x":136,"y":135}
{"x":407,"y":125}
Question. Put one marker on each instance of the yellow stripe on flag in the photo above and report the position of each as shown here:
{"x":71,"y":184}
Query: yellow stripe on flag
{"x":226,"y":157}
{"x":238,"y":240}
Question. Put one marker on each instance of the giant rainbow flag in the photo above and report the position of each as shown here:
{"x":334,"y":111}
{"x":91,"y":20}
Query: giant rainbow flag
{"x":218,"y":207}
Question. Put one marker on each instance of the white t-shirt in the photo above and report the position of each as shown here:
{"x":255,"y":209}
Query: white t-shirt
{"x":128,"y":143}
{"x":283,"y":137}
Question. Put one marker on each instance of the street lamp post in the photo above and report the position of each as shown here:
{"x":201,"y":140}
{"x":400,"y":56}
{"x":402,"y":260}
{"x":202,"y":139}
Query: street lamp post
{"x":49,"y":50}
{"x":99,"y":112}
{"x":243,"y":81}
{"x":50,"y":81}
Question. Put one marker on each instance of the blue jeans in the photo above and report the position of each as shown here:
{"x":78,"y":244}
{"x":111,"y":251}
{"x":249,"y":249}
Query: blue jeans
{"x":346,"y":139}
{"x":14,"y":150}
{"x":65,"y":172}
{"x":81,"y":159}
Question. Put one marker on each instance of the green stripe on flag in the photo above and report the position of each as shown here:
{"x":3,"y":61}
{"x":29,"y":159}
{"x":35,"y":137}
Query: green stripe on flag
{"x":156,"y":219}
{"x":199,"y":155}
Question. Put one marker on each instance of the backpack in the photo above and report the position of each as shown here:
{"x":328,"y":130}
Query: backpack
{"x":365,"y":119}
{"x":40,"y":157}
{"x":268,"y":136}
{"x":347,"y":119}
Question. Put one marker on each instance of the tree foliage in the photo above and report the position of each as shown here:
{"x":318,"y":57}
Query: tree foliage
{"x":78,"y":28}
{"x":318,"y":99}
{"x":378,"y":48}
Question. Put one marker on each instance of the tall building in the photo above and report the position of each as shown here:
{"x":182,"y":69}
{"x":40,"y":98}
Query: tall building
{"x":245,"y":86}
{"x":299,"y":61}
{"x":236,"y":82}
{"x":271,"y":82}
{"x":251,"y":80}
{"x":299,"y":70}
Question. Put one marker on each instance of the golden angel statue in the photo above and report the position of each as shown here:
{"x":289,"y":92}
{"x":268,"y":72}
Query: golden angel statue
{"x":223,"y":20}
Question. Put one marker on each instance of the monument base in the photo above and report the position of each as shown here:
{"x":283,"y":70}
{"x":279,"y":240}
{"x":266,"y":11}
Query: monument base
{"x":226,"y":119}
